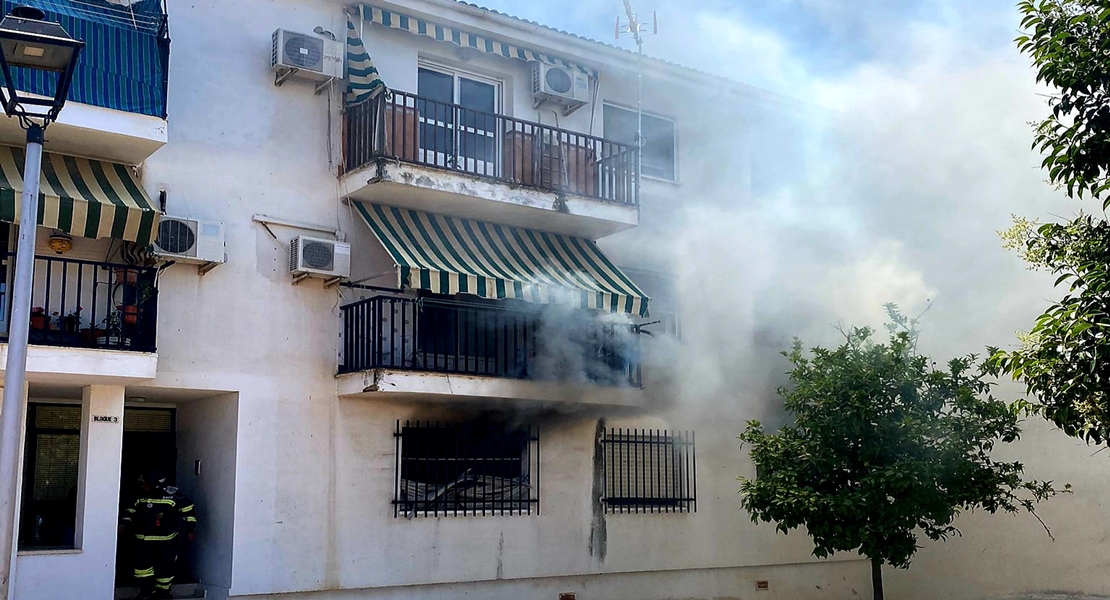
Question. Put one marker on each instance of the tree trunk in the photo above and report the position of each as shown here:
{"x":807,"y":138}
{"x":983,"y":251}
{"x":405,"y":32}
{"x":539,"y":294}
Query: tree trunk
{"x":877,"y":578}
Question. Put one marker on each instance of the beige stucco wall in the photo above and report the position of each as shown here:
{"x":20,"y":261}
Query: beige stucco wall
{"x":1003,"y":555}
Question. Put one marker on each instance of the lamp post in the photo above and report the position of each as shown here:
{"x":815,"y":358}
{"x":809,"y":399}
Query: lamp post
{"x":31,"y":43}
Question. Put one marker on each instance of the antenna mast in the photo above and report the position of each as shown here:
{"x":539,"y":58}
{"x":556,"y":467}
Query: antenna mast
{"x":636,"y":29}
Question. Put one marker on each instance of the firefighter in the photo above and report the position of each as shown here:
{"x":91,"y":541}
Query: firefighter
{"x":157,"y":519}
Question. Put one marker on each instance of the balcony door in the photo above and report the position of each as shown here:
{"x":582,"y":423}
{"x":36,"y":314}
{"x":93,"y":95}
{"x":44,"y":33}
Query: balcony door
{"x":458,"y":123}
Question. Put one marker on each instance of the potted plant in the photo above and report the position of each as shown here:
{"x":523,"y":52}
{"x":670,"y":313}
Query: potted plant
{"x":135,"y":301}
{"x":91,"y":335}
{"x":126,"y":274}
{"x":113,"y":332}
{"x":39,"y":320}
{"x":71,"y":322}
{"x":129,"y":313}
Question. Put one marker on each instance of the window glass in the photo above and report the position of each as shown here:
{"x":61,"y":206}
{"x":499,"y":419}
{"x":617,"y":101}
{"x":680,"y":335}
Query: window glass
{"x":477,"y":141}
{"x":659,"y":139}
{"x":457,"y":119}
{"x":51,"y":460}
{"x":477,"y":95}
{"x":437,"y":86}
{"x":664,"y":308}
{"x":658,"y":148}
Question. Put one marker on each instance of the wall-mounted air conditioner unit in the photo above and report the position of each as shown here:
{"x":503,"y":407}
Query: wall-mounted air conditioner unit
{"x":568,"y":88}
{"x":305,"y":56}
{"x":323,"y":259}
{"x":190,"y":240}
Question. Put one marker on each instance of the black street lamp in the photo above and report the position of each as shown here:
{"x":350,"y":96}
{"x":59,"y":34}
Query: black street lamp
{"x":27,"y":41}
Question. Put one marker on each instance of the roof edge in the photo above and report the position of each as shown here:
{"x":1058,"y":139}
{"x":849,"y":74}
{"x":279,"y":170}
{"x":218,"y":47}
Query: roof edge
{"x":589,"y":48}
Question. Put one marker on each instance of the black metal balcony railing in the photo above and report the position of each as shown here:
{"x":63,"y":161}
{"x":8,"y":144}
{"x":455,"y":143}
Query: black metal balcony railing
{"x":386,"y":332}
{"x":412,"y":129}
{"x":87,"y":304}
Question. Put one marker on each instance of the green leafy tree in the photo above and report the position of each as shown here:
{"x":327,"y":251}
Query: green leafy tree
{"x":1063,"y":358}
{"x":882,"y":445}
{"x":1068,"y":41}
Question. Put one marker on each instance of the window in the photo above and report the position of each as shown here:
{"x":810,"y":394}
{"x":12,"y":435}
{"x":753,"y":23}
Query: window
{"x":649,"y":470}
{"x":457,"y":123}
{"x":659,"y":139}
{"x":453,"y":469}
{"x":663,"y":290}
{"x":48,"y":517}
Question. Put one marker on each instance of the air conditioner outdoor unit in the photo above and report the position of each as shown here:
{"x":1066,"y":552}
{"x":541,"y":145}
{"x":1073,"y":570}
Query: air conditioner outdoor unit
{"x":306,"y":56}
{"x":559,"y":85}
{"x":190,"y":240}
{"x":324,"y":259}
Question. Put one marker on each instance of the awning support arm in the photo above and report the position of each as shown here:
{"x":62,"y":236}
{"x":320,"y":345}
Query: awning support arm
{"x":268,"y":220}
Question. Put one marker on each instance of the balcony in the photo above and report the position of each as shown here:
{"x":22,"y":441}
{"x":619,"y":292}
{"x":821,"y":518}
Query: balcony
{"x":427,"y":348}
{"x":413,"y":152}
{"x":117,"y":101}
{"x":87,"y":304}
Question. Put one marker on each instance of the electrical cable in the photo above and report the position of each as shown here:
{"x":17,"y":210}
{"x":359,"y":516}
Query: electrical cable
{"x":124,"y":17}
{"x":118,"y":16}
{"x":107,"y":9}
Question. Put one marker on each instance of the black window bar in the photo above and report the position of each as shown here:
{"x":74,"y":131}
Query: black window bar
{"x":466,"y":469}
{"x":650,"y":471}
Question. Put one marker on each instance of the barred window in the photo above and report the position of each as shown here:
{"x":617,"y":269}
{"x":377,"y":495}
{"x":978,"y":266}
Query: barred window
{"x":51,"y":461}
{"x":452,"y":469}
{"x":649,"y":470}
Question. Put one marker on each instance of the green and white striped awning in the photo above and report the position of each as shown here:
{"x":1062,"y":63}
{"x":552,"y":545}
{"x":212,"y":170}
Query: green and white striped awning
{"x":83,"y":197}
{"x":463,"y":38}
{"x":449,"y":255}
{"x":363,"y":80}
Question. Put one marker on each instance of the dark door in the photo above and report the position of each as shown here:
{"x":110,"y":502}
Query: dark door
{"x":149,"y":441}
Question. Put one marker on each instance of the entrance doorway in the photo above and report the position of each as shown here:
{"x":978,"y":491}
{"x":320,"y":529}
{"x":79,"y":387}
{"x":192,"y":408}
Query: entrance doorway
{"x":149,"y":442}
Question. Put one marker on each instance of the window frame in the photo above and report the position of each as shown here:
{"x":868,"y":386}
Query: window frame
{"x":670,"y":316}
{"x":529,"y":480}
{"x":651,"y":115}
{"x":453,"y":132}
{"x":30,"y":459}
{"x":455,"y":72}
{"x":633,"y":487}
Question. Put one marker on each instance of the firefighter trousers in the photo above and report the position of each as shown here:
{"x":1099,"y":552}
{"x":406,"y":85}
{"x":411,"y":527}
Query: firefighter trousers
{"x":155,"y":563}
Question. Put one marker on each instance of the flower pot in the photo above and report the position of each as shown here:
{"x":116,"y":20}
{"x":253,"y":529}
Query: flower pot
{"x":124,"y":275}
{"x":113,"y":341}
{"x":89,"y":335}
{"x":39,"y":321}
{"x":129,"y":314}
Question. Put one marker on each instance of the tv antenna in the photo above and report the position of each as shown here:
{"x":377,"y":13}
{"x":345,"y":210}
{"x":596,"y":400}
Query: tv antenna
{"x":637,"y":29}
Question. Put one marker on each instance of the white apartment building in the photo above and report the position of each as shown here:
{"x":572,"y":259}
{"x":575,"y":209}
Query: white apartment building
{"x":467,"y":410}
{"x":394,"y":346}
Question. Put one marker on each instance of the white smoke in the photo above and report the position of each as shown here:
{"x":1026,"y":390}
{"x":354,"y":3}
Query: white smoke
{"x":919,"y":155}
{"x":885,"y":180}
